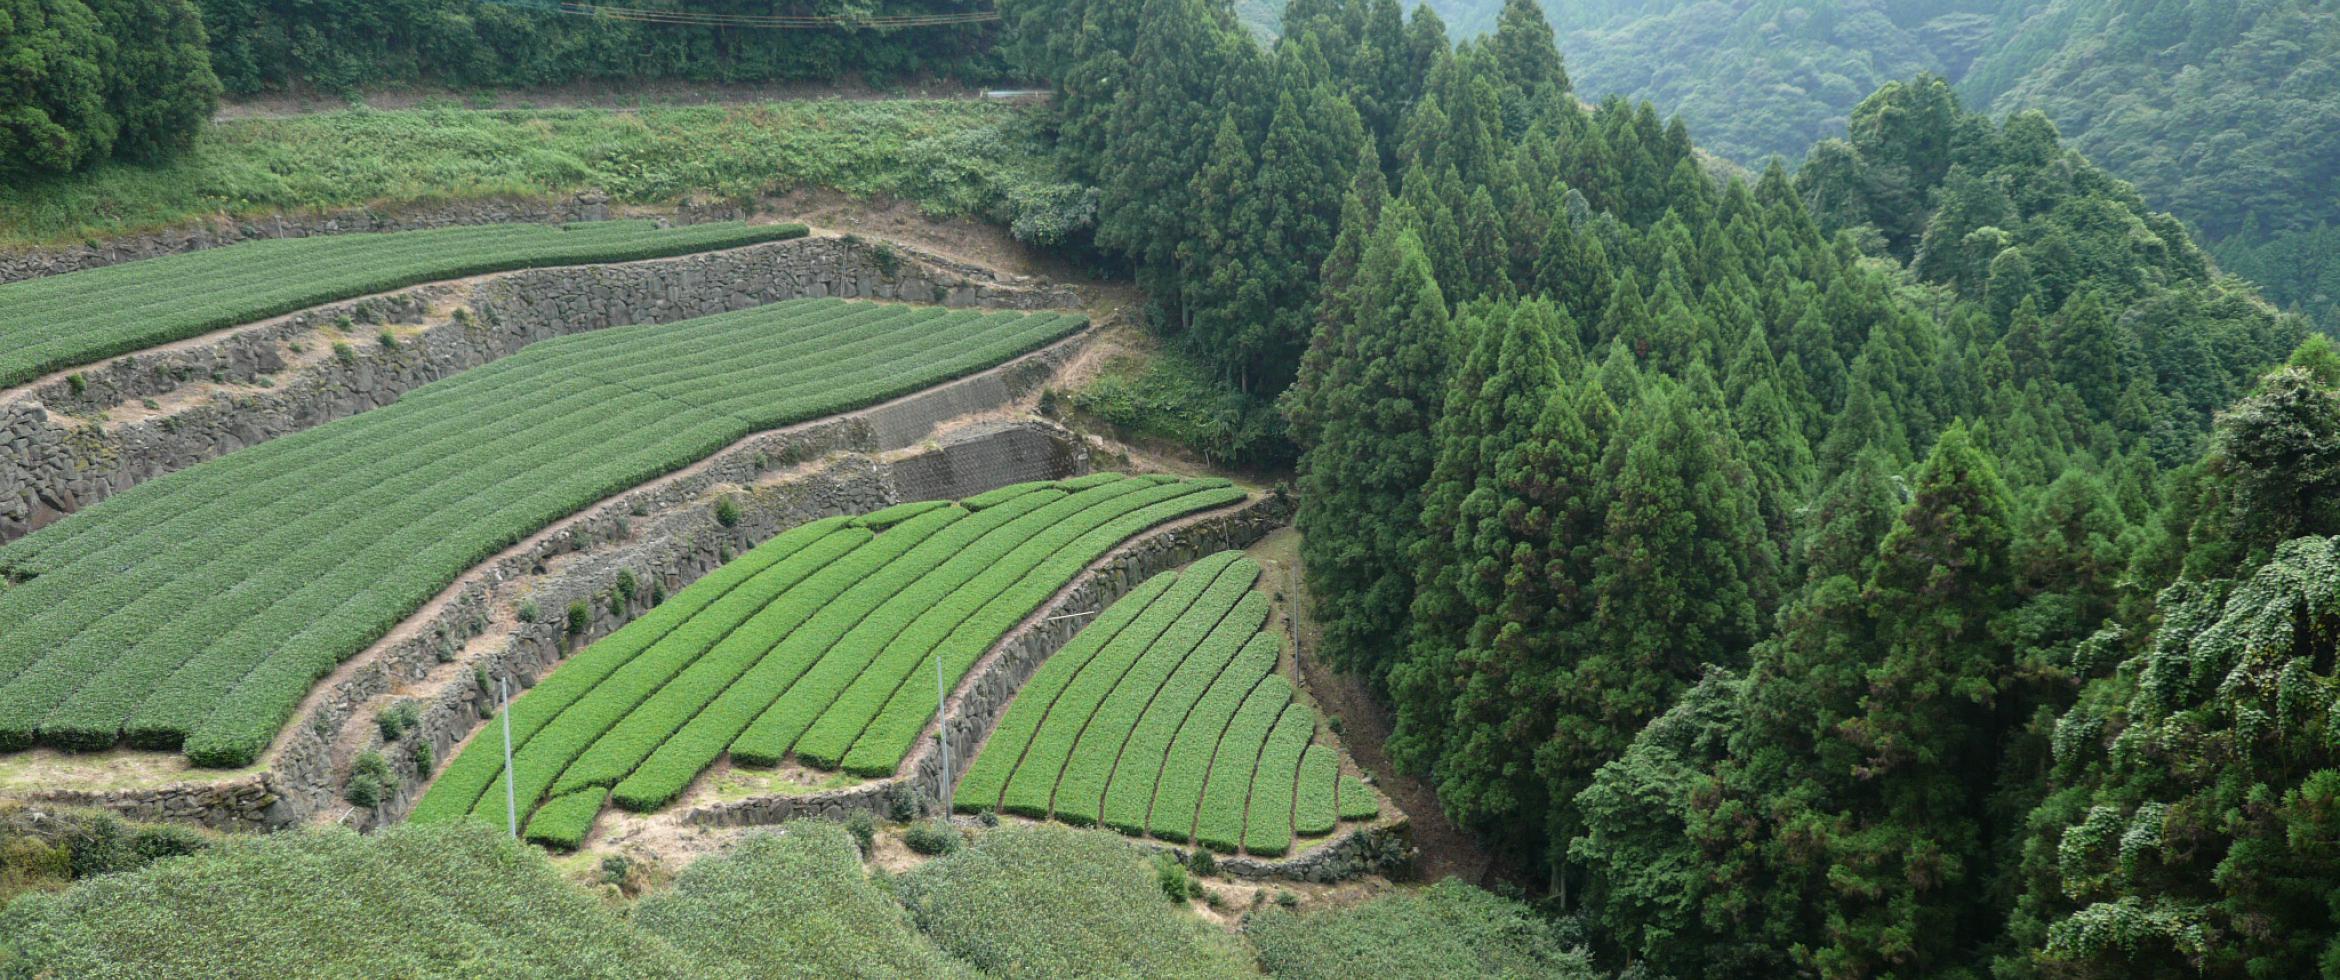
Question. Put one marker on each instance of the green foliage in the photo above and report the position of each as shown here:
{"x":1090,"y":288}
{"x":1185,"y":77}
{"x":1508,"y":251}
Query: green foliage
{"x":1362,"y":472}
{"x":1449,"y":929}
{"x":815,"y":645}
{"x":81,"y":317}
{"x":1159,"y":717}
{"x":370,"y":780}
{"x":100,"y":79}
{"x":933,"y":838}
{"x":1177,"y":884}
{"x":313,"y":545}
{"x":341,"y":47}
{"x":46,"y":848}
{"x":1052,"y":902}
{"x":439,"y":900}
{"x":950,"y":157}
{"x":1167,"y":395}
{"x":397,"y":719}
{"x":816,"y":912}
{"x":727,"y":511}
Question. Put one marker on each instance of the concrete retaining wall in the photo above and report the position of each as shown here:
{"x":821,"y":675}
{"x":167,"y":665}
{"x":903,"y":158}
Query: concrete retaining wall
{"x":239,"y":388}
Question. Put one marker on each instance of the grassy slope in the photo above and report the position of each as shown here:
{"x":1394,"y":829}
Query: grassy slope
{"x":953,"y":157}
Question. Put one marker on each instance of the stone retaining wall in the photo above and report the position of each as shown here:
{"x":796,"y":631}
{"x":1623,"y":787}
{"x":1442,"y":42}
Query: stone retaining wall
{"x":974,"y":708}
{"x":56,"y":457}
{"x":19,"y":264}
{"x":665,"y":534}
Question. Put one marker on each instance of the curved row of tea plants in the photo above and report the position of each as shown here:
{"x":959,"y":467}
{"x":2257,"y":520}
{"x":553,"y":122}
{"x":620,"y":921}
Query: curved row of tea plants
{"x":1166,"y":718}
{"x":77,"y":318}
{"x":197,"y":609}
{"x":820,"y":645}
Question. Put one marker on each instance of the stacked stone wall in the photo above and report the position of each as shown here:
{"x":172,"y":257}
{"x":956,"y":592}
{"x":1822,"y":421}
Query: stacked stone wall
{"x":59,"y":452}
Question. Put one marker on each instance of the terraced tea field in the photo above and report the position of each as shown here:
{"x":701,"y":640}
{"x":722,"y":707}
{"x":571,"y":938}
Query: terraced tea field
{"x":820,"y":645}
{"x":1165,"y":717}
{"x":194,"y":611}
{"x":77,"y":318}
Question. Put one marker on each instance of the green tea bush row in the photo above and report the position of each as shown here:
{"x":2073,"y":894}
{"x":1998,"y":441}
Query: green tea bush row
{"x":196,"y":610}
{"x":891,"y":735}
{"x":56,"y":322}
{"x":1137,"y":774}
{"x":842,"y":607}
{"x":615,"y":749}
{"x":816,"y":642}
{"x":1080,"y":792}
{"x":544,"y":754}
{"x":860,"y":735}
{"x":564,"y":821}
{"x":776,"y":731}
{"x":469,"y":775}
{"x":1268,"y":829}
{"x":1313,"y":811}
{"x":1357,"y":800}
{"x":980,"y":788}
{"x":1187,"y":767}
{"x":1031,"y":790}
{"x":1219,"y":822}
{"x":1167,"y":719}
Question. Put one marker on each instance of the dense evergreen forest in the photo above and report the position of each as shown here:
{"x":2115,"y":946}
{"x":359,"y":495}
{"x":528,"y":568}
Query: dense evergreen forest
{"x":1913,"y":565}
{"x":2220,"y":111}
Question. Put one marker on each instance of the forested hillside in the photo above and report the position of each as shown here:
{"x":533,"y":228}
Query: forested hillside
{"x":1774,"y":569}
{"x":2220,"y":112}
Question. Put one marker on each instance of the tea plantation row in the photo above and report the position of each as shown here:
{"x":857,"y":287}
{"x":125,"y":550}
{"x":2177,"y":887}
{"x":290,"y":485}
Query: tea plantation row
{"x":821,"y":645}
{"x":196,"y":610}
{"x":1165,"y":717}
{"x":77,"y":318}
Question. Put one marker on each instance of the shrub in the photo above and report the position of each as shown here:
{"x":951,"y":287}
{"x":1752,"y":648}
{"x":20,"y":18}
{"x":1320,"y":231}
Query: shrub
{"x":1203,"y":862}
{"x":433,"y":901}
{"x":528,"y":611}
{"x":77,"y":383}
{"x":425,"y":759}
{"x":1053,"y":902}
{"x":1447,"y":930}
{"x":932,"y":838}
{"x":626,"y":586}
{"x":398,"y":719}
{"x":370,"y":780}
{"x":1177,"y":884}
{"x":580,"y":618}
{"x":343,"y":353}
{"x":793,"y":903}
{"x":863,"y":827}
{"x":727,"y":512}
{"x":388,"y":340}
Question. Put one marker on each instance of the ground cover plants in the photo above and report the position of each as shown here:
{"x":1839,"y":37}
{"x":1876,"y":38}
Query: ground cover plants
{"x":1447,"y":930}
{"x":951,"y":157}
{"x":1055,"y":902}
{"x":819,"y":645}
{"x":194,"y":611}
{"x":77,"y":318}
{"x":1166,"y":718}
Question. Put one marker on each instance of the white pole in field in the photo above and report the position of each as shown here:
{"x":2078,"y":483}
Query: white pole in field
{"x":942,"y":725}
{"x":511,"y":800}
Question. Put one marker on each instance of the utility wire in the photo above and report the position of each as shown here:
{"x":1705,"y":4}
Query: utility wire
{"x":784,"y":22}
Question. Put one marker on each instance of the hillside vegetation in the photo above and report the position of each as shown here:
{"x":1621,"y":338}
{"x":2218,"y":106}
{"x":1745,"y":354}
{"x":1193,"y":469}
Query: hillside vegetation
{"x":463,"y":900}
{"x":950,"y":157}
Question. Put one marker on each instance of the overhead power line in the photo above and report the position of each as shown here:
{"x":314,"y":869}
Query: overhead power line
{"x":783,"y":22}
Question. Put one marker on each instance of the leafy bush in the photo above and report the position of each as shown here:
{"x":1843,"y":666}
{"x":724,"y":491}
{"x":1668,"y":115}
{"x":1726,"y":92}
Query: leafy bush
{"x":933,"y":838}
{"x":1177,"y":884}
{"x":1053,"y":902}
{"x":727,"y":511}
{"x":370,"y":780}
{"x":792,"y":903}
{"x":863,"y":827}
{"x":410,"y":901}
{"x":1447,"y":930}
{"x":398,"y":719}
{"x":1168,"y":395}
